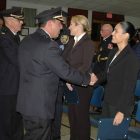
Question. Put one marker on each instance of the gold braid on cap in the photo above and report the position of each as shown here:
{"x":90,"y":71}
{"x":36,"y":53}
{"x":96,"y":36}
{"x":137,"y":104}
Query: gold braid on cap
{"x":59,"y":17}
{"x":16,"y":16}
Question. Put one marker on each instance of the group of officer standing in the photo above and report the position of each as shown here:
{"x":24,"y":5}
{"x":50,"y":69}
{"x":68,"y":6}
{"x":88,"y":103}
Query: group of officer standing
{"x":29,"y":76}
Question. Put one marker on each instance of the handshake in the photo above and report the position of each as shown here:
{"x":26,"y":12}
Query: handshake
{"x":93,"y":79}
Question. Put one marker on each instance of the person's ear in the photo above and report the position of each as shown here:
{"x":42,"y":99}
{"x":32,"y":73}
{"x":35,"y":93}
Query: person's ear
{"x":127,"y":36}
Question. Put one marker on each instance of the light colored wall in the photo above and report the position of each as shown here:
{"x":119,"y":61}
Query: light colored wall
{"x":39,"y":8}
{"x":134,"y":20}
{"x":10,"y":3}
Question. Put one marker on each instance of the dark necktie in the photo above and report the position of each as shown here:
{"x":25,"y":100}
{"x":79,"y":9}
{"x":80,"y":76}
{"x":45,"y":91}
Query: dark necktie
{"x":17,"y":38}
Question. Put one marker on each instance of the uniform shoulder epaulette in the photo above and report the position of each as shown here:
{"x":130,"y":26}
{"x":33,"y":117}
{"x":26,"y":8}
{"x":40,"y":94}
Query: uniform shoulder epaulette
{"x":2,"y":33}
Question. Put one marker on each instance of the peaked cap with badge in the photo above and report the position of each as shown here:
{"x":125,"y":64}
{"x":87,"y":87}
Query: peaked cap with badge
{"x":13,"y":12}
{"x":62,"y":15}
{"x":53,"y":13}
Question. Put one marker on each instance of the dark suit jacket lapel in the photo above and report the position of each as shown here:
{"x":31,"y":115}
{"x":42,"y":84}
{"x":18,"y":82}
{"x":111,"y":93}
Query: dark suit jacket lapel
{"x":119,"y":57}
{"x":80,"y":42}
{"x":111,"y":55}
{"x":12,"y":36}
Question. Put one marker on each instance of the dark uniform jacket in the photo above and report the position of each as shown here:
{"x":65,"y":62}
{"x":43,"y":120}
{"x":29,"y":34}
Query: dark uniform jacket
{"x":9,"y":71}
{"x":102,"y":55}
{"x":121,"y":79}
{"x":40,"y":66}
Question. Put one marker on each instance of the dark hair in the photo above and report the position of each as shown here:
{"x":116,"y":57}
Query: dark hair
{"x":136,"y":38}
{"x":129,"y":28}
{"x":137,"y":35}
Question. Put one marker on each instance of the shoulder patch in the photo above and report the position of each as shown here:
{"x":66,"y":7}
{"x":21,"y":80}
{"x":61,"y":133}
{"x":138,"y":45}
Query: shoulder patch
{"x":110,"y":46}
{"x":64,"y":39}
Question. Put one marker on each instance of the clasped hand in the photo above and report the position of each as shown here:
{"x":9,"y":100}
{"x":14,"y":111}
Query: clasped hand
{"x":93,"y":79}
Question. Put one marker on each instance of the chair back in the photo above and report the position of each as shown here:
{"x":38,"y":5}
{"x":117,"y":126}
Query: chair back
{"x":108,"y":131}
{"x":137,"y":89}
{"x":138,"y":112}
{"x":137,"y":98}
{"x":134,"y":131}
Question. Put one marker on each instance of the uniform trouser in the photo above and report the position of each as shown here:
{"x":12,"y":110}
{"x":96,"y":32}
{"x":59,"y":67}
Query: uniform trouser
{"x":79,"y":116}
{"x":37,"y":129}
{"x":56,"y":126}
{"x":11,"y":124}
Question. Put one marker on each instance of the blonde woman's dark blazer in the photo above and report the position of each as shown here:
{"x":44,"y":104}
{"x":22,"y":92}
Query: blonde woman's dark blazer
{"x":80,"y":56}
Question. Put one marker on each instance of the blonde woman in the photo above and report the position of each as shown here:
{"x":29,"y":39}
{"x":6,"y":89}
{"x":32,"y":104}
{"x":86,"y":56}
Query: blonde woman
{"x":79,"y":54}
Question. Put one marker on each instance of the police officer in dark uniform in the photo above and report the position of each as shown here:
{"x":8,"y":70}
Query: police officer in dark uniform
{"x":41,"y":65}
{"x":100,"y":59}
{"x":62,"y":40}
{"x":1,"y":21}
{"x":104,"y":48}
{"x":11,"y":127}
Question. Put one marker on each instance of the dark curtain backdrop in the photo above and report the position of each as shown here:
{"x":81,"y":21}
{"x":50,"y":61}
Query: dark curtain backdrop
{"x":2,"y":5}
{"x":100,"y":18}
{"x":73,"y":11}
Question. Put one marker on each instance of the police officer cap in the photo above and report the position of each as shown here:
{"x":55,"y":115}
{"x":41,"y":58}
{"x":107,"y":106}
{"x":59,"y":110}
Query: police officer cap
{"x":13,"y":12}
{"x":63,"y":14}
{"x":54,"y":13}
